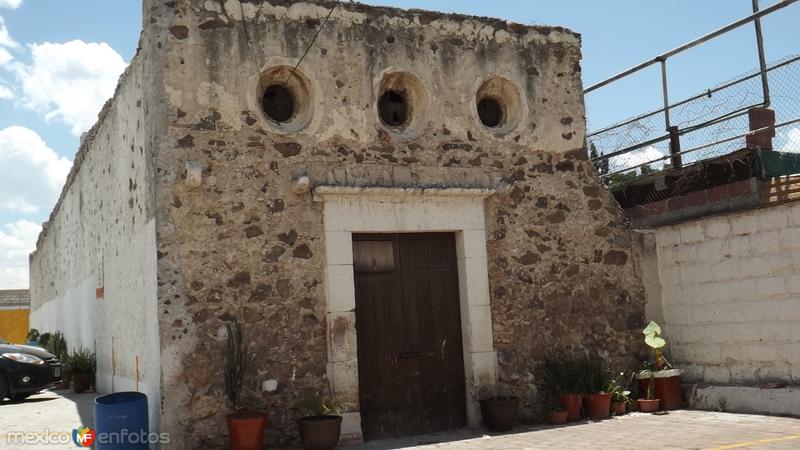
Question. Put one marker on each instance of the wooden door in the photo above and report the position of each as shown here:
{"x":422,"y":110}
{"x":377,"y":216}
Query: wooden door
{"x":410,"y":360}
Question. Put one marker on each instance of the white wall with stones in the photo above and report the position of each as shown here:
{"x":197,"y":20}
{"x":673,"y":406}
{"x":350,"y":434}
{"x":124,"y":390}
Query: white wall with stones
{"x":102,"y":235}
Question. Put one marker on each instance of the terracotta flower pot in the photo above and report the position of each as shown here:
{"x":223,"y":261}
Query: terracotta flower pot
{"x":598,"y":406}
{"x":667,"y":387}
{"x":499,"y":413}
{"x":572,"y":403}
{"x":320,"y":432}
{"x":246,"y":430}
{"x":557,"y":417}
{"x":81,"y":382}
{"x":648,"y":406}
{"x":619,"y":408}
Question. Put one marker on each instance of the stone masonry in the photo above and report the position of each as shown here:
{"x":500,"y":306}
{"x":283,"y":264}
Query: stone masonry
{"x":240,"y":234}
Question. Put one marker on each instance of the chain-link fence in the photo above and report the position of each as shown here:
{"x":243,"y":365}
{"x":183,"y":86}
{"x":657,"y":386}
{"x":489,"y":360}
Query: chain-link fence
{"x":710,"y":124}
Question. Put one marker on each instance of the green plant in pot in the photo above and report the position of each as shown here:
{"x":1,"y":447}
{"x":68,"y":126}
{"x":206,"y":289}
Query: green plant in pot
{"x":498,"y":411}
{"x":596,"y":377}
{"x":82,"y":365}
{"x":246,"y":428}
{"x":559,"y":375}
{"x":555,"y":411}
{"x":620,"y":396}
{"x":57,"y":346}
{"x":321,"y":427}
{"x":33,"y":337}
{"x":44,"y":339}
{"x":660,"y":381}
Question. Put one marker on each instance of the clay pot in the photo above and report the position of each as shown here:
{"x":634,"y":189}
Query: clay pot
{"x":667,"y":387}
{"x":81,"y":382}
{"x":619,"y":408}
{"x":499,"y":413}
{"x":320,"y":432}
{"x":598,"y":406}
{"x":572,"y":403}
{"x":246,"y":430}
{"x":648,"y":406}
{"x":557,"y":417}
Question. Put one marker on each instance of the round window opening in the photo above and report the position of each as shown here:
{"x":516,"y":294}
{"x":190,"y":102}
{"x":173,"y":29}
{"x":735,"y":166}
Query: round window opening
{"x":393,"y":108}
{"x":490,"y":111}
{"x":278,"y":103}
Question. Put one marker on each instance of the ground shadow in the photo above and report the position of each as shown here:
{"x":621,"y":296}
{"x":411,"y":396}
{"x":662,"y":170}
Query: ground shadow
{"x":27,"y":400}
{"x":84,"y":404}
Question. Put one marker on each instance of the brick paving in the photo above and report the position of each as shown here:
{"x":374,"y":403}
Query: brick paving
{"x":676,"y":430}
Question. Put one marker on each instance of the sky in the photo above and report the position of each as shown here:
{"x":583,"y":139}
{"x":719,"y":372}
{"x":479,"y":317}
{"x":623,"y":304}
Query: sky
{"x":60,"y":61}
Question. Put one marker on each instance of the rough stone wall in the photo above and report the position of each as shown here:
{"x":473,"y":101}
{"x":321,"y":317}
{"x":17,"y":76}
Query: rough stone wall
{"x":727,"y":289}
{"x":93,"y":273}
{"x":246,"y":243}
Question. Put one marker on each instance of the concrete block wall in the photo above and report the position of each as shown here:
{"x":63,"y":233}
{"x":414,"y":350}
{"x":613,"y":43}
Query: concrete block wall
{"x":727,"y":291}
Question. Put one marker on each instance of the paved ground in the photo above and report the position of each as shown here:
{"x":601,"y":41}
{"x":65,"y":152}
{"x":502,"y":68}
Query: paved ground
{"x":47,"y":420}
{"x":59,"y":415}
{"x":676,"y":430}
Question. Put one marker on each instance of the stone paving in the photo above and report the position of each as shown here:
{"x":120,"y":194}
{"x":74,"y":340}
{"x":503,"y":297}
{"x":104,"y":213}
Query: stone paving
{"x":56,"y":413}
{"x":672,"y":431}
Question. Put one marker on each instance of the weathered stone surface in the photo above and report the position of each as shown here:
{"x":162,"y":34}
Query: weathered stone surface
{"x":248,"y":244}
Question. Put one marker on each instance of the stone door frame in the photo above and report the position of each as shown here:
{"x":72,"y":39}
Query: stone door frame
{"x":349,"y":210}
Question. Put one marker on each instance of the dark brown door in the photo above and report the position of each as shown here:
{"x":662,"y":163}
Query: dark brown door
{"x":410,"y":361}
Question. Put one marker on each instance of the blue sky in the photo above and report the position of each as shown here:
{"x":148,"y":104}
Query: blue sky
{"x":59,"y":61}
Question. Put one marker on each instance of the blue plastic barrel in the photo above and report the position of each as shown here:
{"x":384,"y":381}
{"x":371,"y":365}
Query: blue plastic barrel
{"x":121,"y":421}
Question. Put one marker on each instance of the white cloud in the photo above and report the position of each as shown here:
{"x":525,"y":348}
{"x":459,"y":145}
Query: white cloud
{"x":638,"y":157}
{"x":31,"y":174}
{"x":70,"y":81}
{"x":13,"y":4}
{"x":5,"y":36}
{"x":17,"y":241}
{"x":5,"y":92}
{"x":792,"y":143}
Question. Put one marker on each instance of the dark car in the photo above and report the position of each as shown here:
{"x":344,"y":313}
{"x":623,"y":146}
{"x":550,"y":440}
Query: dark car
{"x":26,"y":370}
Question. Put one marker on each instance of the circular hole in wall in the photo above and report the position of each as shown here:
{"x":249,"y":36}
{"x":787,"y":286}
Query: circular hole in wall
{"x":278,"y":103}
{"x":490,"y":111}
{"x":402,"y":103}
{"x":285,"y":99}
{"x":499,"y":105}
{"x":393,"y":108}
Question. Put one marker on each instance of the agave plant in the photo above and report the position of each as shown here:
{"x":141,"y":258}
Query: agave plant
{"x":316,"y":405}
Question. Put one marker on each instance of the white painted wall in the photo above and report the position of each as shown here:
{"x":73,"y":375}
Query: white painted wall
{"x":727,"y":289}
{"x":103,"y":235}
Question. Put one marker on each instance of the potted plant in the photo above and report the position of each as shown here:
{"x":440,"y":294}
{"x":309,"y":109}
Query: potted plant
{"x":596,"y":378}
{"x":662,"y":378}
{"x":649,"y":403}
{"x":321,"y":428}
{"x":559,"y":379}
{"x":620,"y":397}
{"x":44,"y":339}
{"x":82,"y":365}
{"x":33,"y":337}
{"x":57,"y":346}
{"x":499,"y":411}
{"x":245,"y":427}
{"x":556,"y":413}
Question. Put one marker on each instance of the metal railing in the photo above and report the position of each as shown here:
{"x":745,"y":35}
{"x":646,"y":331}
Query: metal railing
{"x":712,"y":123}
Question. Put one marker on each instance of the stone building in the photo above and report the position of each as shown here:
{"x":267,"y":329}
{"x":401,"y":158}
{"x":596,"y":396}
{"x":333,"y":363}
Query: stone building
{"x":248,"y":168}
